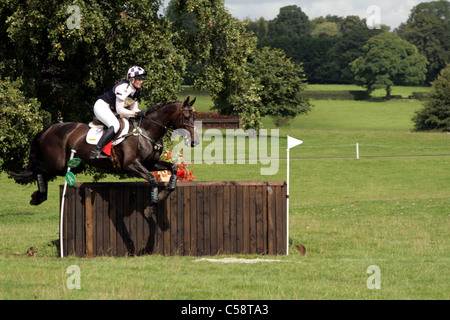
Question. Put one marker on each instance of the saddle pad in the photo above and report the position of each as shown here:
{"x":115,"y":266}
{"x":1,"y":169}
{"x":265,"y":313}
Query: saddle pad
{"x":95,"y":133}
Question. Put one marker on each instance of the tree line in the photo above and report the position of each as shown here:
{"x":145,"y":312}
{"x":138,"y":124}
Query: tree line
{"x":326,"y":46}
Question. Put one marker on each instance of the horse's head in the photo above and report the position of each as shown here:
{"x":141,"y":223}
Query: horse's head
{"x":186,"y":122}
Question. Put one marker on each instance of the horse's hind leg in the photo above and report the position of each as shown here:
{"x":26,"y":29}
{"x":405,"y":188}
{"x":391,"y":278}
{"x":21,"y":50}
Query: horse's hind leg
{"x":41,"y":195}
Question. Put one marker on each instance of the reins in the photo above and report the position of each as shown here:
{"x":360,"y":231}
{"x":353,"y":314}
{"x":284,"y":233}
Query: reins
{"x":138,"y":131}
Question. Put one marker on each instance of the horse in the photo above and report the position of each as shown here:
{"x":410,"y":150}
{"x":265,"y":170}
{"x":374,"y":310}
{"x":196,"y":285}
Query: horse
{"x":138,"y":154}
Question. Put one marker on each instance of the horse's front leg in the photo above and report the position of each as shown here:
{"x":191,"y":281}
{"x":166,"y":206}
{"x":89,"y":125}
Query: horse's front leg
{"x":164,"y":165}
{"x":140,"y":170}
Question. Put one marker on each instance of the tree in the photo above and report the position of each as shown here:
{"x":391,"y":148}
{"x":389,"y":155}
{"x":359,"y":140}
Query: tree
{"x":218,"y":48}
{"x":70,"y":52}
{"x":290,"y":21}
{"x":428,"y":28}
{"x":355,"y":34}
{"x":326,"y":29}
{"x":435,"y":115}
{"x":282,"y":85}
{"x":20,"y":120}
{"x":388,"y":60}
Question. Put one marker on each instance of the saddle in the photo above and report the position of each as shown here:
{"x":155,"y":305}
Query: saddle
{"x":98,"y":128}
{"x":97,"y":124}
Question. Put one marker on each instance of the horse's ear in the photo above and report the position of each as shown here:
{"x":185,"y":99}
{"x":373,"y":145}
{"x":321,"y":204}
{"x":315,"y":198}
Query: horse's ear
{"x":186,"y":102}
{"x":192,"y":102}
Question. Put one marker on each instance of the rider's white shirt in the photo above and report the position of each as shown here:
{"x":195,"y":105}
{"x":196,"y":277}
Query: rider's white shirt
{"x":123,"y":91}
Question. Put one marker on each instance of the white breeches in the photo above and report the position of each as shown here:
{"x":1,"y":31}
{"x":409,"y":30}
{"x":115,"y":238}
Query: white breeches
{"x":104,"y":113}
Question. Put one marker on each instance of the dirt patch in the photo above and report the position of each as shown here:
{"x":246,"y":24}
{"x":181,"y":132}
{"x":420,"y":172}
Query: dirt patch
{"x":237,"y":260}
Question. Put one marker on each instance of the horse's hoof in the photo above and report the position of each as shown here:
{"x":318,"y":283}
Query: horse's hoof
{"x":37,"y":198}
{"x":149,"y":211}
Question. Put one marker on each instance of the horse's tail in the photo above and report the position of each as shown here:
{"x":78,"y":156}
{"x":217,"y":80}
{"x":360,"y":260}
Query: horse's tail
{"x":34,"y":161}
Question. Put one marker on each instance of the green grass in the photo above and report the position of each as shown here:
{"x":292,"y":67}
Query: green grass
{"x":203,"y":102}
{"x":402,"y":91}
{"x":383,"y":209}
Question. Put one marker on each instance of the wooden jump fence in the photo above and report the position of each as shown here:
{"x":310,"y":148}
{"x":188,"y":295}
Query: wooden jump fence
{"x":220,"y":123}
{"x":198,"y":218}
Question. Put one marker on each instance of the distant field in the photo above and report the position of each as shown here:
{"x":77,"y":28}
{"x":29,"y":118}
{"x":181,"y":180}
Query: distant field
{"x":317,"y":92}
{"x":388,"y":209}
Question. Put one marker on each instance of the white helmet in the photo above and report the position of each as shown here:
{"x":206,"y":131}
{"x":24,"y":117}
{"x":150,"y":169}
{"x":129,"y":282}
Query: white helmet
{"x":136,"y":72}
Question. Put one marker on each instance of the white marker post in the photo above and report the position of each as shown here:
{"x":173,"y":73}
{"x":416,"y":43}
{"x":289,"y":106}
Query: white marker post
{"x":61,"y":215}
{"x":291,"y":143}
{"x":357,"y":150}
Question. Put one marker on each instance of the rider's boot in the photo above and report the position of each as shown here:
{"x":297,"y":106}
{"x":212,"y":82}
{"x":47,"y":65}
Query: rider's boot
{"x":104,"y":140}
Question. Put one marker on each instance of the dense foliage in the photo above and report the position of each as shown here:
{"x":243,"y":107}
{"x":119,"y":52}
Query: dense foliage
{"x":20,"y":119}
{"x":70,"y":52}
{"x":282,"y":85}
{"x":435,"y":115}
{"x":428,"y":28}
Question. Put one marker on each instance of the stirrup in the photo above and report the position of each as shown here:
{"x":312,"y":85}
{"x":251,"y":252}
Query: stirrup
{"x":97,"y":154}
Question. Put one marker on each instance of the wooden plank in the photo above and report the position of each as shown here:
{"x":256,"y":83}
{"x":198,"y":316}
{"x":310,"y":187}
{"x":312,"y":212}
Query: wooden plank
{"x":206,"y":222}
{"x":194,"y":221}
{"x":97,"y":223}
{"x":80,"y":242}
{"x":246,"y":220}
{"x":68,"y":226}
{"x":259,"y":219}
{"x":225,"y":205}
{"x":252,"y":218}
{"x":239,"y":220}
{"x":279,"y":225}
{"x":271,"y":220}
{"x":168,"y":222}
{"x":233,"y":220}
{"x":89,"y":222}
{"x":123,"y":194}
{"x":105,"y":214}
{"x":140,"y":222}
{"x":180,"y":221}
{"x":132,"y":214}
{"x":111,"y":214}
{"x":72,"y":220}
{"x":220,"y":220}
{"x":265,"y":220}
{"x":173,"y":224}
{"x":186,"y":209}
{"x":283,"y":219}
{"x":201,"y":221}
{"x":213,"y":220}
{"x":162,"y":225}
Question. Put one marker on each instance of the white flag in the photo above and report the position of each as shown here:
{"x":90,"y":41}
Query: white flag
{"x":292,"y":142}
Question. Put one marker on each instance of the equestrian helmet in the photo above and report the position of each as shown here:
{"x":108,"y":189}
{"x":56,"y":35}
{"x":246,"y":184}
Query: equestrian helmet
{"x":136,"y":72}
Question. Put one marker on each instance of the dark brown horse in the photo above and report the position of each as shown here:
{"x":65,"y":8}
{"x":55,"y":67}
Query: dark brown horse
{"x":138,"y":154}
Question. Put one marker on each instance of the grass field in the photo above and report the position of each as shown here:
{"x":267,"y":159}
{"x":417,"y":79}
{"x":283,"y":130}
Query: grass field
{"x":389,"y":209}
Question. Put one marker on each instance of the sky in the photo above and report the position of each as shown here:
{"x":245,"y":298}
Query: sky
{"x":387,"y":12}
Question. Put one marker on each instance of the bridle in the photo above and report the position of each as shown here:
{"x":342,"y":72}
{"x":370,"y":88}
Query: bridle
{"x":138,"y":131}
{"x":190,"y":111}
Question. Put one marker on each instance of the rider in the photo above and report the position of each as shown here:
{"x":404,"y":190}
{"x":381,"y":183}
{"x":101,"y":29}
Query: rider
{"x":123,"y":94}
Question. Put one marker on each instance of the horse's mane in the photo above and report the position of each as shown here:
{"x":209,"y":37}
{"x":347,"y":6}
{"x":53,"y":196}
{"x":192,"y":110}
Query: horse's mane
{"x":154,"y":108}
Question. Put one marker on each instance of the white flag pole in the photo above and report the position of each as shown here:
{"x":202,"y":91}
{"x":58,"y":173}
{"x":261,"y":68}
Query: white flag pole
{"x":287,"y":204}
{"x":292,"y":142}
